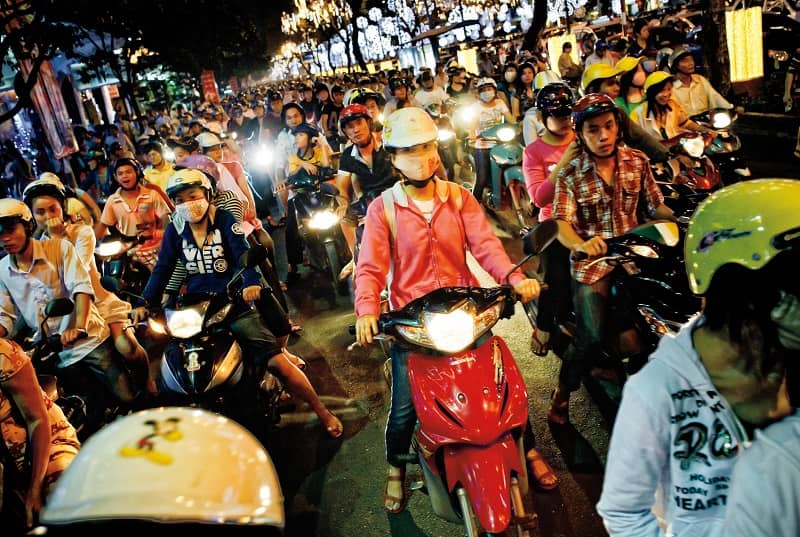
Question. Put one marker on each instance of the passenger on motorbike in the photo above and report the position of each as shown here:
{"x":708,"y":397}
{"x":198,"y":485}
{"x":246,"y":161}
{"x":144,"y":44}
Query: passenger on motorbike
{"x":490,"y":111}
{"x":427,"y":253}
{"x":311,"y":154}
{"x":554,"y":103}
{"x":694,"y":92}
{"x":532,"y":126}
{"x":134,"y":211}
{"x":661,"y":115}
{"x":33,"y":273}
{"x":209,"y":241}
{"x":632,"y":80}
{"x":690,"y":412}
{"x":401,"y":96}
{"x":598,"y":195}
{"x":39,"y":442}
{"x":46,"y":201}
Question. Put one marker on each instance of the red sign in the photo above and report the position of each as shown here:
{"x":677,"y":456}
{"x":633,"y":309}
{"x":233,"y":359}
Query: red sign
{"x":234,"y":83}
{"x":209,"y":86}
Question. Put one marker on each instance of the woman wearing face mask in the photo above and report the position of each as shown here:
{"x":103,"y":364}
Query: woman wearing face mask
{"x":490,"y":111}
{"x":435,"y":220}
{"x":209,"y":241}
{"x":631,"y":81}
{"x":506,"y":86}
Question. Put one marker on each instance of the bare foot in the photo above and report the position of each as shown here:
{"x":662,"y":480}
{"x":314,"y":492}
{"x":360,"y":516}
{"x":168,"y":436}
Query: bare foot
{"x":332,"y":425}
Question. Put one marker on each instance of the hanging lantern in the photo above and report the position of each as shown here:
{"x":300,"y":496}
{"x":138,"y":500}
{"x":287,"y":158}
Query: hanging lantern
{"x":745,"y":43}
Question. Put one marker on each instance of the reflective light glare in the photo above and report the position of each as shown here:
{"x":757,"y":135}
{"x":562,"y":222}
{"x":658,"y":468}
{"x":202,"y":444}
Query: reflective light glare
{"x":643,"y":251}
{"x":693,"y":146}
{"x":720,"y":120}
{"x":107,"y":249}
{"x":450,"y":332}
{"x":169,"y":154}
{"x":446,"y":135}
{"x":323,"y":220}
{"x":506,"y":134}
{"x":263,"y":157}
{"x":184,"y":323}
{"x":156,"y":326}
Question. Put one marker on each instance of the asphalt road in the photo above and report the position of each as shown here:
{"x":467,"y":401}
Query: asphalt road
{"x":334,"y":488}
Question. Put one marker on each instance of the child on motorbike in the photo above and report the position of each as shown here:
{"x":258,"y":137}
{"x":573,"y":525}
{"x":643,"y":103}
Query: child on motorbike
{"x":46,"y":199}
{"x":209,"y":242}
{"x":311,"y":154}
{"x":686,"y":417}
{"x":428,"y":252}
{"x":39,"y":442}
{"x":554,"y":103}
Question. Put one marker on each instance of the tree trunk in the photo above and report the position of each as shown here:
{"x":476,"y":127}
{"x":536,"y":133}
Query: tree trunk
{"x":716,"y":47}
{"x":537,"y":25}
{"x":355,"y":9}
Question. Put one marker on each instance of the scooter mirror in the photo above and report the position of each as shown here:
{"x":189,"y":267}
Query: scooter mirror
{"x":540,"y":237}
{"x":59,"y":307}
{"x":662,"y":231}
{"x":110,"y":284}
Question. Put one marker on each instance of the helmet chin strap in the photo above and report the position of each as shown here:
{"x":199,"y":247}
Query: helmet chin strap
{"x":417,"y":183}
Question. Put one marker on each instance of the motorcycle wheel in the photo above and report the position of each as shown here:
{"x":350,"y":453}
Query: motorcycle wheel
{"x":335,"y":267}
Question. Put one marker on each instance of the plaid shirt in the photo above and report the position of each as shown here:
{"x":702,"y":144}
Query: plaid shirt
{"x":596,"y":209}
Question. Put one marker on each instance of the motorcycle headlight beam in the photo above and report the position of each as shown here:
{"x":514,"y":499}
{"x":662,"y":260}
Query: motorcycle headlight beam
{"x":506,"y":134}
{"x":185,"y":323}
{"x":108,"y":249}
{"x":323,"y":220}
{"x":721,"y":120}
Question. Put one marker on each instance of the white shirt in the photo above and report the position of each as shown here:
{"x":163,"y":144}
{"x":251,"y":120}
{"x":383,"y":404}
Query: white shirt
{"x":55,"y":272}
{"x":435,"y":96}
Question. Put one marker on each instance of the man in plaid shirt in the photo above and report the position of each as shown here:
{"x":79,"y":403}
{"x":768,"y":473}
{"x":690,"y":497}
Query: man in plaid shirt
{"x":599,"y":195}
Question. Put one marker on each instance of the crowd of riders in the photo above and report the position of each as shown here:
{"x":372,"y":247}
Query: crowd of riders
{"x":194,"y":183}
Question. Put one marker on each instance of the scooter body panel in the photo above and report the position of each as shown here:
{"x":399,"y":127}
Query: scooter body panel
{"x":458,"y":399}
{"x":197,"y":365}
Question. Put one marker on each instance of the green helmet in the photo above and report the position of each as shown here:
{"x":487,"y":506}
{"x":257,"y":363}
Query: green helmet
{"x":748,"y":223}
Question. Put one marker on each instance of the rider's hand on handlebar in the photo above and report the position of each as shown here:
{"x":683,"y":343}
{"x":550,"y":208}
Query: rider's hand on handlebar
{"x":71,"y":335}
{"x":251,"y":293}
{"x":366,"y":327}
{"x":593,"y":247}
{"x":138,"y":315}
{"x":310,"y":168}
{"x":528,"y":289}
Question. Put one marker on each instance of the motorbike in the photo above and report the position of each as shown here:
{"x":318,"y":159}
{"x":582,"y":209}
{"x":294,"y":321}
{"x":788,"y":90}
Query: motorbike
{"x":448,"y":142}
{"x":685,"y":187}
{"x":471,"y":403}
{"x":114,"y":260}
{"x":726,"y":148}
{"x":648,"y":289}
{"x":314,"y":204}
{"x":202,"y":364}
{"x":507,"y":190}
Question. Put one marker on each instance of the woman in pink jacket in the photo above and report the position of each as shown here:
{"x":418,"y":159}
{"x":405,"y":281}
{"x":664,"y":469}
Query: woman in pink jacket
{"x":434,"y":230}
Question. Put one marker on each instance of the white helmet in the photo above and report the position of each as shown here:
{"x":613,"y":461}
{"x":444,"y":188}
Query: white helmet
{"x":13,"y":211}
{"x":172,"y":465}
{"x":486,"y":81}
{"x":208,"y":139}
{"x":187,"y":178}
{"x":408,"y":127}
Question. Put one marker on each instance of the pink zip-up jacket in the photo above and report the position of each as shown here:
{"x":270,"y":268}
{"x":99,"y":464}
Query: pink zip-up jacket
{"x":425,"y":256}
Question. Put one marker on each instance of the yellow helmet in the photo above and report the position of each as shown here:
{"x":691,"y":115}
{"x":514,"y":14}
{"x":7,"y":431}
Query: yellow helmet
{"x":597,"y":71}
{"x":626,"y":64}
{"x":656,"y":78}
{"x":171,"y":465}
{"x":747,"y":223}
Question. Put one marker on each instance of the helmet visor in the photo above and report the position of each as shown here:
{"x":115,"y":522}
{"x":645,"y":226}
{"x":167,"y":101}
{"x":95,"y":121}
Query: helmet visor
{"x":7,"y":223}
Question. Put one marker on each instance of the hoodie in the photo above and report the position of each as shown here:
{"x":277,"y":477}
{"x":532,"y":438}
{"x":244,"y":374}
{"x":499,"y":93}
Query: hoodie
{"x":672,"y":449}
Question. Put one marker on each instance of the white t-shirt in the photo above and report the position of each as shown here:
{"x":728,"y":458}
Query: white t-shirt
{"x":435,"y":96}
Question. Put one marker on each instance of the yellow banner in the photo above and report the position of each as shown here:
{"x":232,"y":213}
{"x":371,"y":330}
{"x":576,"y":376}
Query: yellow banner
{"x":745,"y":43}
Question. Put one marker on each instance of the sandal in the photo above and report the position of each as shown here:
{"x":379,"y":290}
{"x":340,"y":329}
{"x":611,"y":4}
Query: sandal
{"x":540,"y":345}
{"x":388,"y":499}
{"x":558,"y":412}
{"x":543,"y":474}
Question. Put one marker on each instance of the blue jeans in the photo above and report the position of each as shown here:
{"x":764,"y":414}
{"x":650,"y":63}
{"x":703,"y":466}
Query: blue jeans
{"x":591,"y":314}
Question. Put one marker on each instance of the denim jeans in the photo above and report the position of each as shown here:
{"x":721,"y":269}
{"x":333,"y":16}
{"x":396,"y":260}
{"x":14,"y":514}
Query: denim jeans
{"x":483,"y":177}
{"x":591,"y":314}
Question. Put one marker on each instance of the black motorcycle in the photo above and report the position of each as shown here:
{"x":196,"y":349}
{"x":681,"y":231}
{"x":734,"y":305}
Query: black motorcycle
{"x":114,"y":257}
{"x":314,"y":204}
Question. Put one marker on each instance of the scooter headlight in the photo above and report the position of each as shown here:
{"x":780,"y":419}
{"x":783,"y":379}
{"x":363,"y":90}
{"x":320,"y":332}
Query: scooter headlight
{"x":323,"y":220}
{"x":263,"y":157}
{"x":452,"y":331}
{"x":506,"y":134}
{"x":721,"y":120}
{"x":187,"y":322}
{"x":109,"y":249}
{"x":694,"y":147}
{"x":445,"y":135}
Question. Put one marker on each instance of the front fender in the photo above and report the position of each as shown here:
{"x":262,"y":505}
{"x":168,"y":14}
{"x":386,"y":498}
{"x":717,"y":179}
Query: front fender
{"x":514,"y":173}
{"x":485,"y":473}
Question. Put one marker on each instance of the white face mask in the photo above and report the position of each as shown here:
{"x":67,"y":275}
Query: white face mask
{"x":786,"y":315}
{"x":511,"y":76}
{"x":486,"y":96}
{"x":418,"y":167}
{"x":192,"y":211}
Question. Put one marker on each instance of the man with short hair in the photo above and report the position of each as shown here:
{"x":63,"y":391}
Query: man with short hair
{"x":160,"y":169}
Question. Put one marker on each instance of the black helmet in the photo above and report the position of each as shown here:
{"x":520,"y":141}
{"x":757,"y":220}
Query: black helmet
{"x":396,"y":82}
{"x":555,"y":99}
{"x":274,"y":95}
{"x":187,"y":143}
{"x":678,"y":53}
{"x":127,"y":161}
{"x":590,"y":106}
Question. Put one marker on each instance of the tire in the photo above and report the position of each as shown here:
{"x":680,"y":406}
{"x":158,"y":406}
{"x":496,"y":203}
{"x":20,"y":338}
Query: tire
{"x":334,"y":265}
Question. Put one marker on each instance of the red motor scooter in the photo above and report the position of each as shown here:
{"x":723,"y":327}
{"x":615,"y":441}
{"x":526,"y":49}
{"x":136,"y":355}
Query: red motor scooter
{"x":471,"y":404}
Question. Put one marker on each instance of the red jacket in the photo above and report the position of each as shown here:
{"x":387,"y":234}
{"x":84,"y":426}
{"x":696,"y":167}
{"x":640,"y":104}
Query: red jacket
{"x":425,"y":256}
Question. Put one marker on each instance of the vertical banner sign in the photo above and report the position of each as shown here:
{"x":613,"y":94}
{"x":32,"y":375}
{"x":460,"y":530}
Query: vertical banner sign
{"x":234,"y":84}
{"x":209,"y":86}
{"x":49,"y":104}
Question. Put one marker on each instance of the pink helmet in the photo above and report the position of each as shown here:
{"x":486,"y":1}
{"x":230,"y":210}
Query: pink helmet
{"x":203,"y":163}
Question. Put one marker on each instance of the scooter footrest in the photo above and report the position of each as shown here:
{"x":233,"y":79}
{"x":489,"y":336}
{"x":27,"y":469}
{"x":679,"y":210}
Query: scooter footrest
{"x":417,"y":485}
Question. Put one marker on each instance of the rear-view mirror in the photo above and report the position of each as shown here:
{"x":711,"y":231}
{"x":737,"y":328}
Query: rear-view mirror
{"x":540,"y":237}
{"x":59,"y":307}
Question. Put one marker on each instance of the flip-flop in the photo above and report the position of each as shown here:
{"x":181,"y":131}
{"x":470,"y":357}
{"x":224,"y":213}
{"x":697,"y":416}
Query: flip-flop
{"x":541,"y":470}
{"x":539,"y":347}
{"x":387,"y":498}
